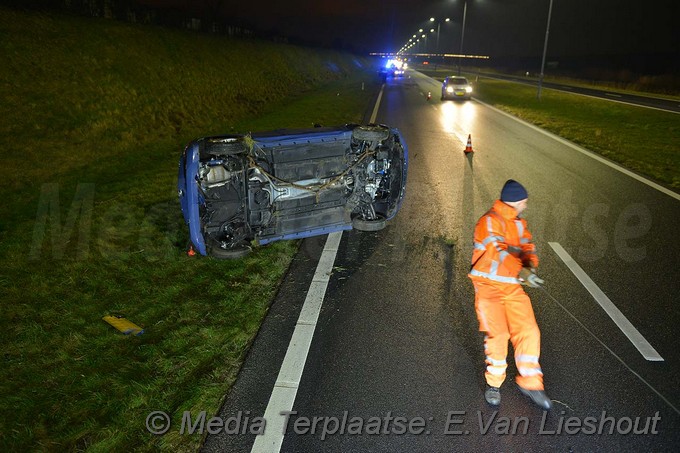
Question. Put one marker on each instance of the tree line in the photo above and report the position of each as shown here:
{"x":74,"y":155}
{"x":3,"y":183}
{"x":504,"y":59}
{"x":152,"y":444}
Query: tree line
{"x":202,"y":16}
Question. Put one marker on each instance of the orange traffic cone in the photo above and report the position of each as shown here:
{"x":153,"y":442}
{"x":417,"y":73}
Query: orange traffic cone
{"x":468,"y":147}
{"x":429,"y":95}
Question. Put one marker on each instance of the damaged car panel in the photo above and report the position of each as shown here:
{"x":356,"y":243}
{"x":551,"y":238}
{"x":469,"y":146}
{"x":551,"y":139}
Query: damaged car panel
{"x":288,"y":184}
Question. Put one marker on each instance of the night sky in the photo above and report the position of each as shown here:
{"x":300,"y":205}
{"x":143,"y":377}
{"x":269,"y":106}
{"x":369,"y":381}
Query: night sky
{"x":493,"y":27}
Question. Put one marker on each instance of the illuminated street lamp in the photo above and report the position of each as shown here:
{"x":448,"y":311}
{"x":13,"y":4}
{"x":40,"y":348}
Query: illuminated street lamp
{"x":412,"y":40}
{"x":439,"y":24}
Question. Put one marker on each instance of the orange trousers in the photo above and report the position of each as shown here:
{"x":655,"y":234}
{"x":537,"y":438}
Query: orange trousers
{"x":505,"y":313}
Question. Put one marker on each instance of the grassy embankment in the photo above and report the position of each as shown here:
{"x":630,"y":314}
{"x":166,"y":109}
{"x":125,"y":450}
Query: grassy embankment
{"x":94,"y":116}
{"x":644,"y":140}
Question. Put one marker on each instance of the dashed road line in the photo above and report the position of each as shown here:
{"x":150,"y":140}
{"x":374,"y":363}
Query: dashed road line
{"x":635,"y":337}
{"x":374,"y":115}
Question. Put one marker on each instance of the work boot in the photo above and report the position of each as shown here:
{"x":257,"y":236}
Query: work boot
{"x":539,"y":397}
{"x":492,"y":395}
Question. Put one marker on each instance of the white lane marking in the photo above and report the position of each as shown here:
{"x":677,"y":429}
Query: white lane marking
{"x":635,"y":337}
{"x":620,"y":360}
{"x":605,"y":99}
{"x":374,"y":115}
{"x":290,"y":374}
{"x":590,"y":154}
{"x":624,"y":102}
{"x":613,"y":95}
{"x":288,"y":381}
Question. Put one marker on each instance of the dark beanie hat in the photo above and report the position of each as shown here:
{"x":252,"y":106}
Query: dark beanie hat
{"x":513,"y":191}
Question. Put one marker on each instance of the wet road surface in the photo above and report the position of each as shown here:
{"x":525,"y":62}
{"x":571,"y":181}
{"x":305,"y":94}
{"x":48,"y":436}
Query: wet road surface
{"x":397,"y":333}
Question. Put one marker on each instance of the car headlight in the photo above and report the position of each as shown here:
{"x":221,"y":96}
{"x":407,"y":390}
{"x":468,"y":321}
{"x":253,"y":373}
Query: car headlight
{"x":468,"y":89}
{"x":449,"y":89}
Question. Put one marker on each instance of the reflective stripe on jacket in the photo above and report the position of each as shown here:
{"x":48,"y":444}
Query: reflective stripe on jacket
{"x":502,"y":245}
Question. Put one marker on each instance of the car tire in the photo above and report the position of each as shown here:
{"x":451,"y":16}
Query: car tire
{"x":231,"y":253}
{"x":361,"y":224}
{"x":227,"y":146}
{"x":371,"y":133}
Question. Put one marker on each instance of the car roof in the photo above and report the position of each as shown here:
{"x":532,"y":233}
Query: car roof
{"x":456,"y":79}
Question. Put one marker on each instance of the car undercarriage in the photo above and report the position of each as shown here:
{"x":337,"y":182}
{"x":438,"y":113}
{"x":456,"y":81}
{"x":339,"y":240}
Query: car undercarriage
{"x":273,"y":186}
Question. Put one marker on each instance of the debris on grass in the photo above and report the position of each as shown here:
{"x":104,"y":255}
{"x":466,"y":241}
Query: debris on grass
{"x":123,"y":325}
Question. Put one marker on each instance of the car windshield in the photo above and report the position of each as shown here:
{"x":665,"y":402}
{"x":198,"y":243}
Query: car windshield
{"x":459,"y":81}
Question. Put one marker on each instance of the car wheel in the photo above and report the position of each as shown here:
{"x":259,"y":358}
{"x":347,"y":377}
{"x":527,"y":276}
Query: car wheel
{"x":361,"y":224}
{"x":226,"y":146}
{"x":371,"y":133}
{"x":229,"y":253}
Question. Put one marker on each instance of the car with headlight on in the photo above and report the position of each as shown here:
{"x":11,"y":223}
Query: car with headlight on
{"x":289,"y":184}
{"x":456,"y":87}
{"x":395,"y":67}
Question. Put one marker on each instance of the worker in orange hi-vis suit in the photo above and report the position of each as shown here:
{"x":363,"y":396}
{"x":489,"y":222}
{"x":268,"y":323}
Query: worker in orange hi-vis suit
{"x":504,"y":258}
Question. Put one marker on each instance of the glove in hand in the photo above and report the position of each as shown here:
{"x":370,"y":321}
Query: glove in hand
{"x":529,"y":278}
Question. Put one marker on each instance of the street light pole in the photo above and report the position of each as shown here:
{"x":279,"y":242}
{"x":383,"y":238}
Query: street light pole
{"x":462,"y":36}
{"x":439,"y":26}
{"x":545,"y":49}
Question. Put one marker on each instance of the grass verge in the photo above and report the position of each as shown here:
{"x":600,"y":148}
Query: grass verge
{"x":644,"y":140}
{"x":95,"y":117}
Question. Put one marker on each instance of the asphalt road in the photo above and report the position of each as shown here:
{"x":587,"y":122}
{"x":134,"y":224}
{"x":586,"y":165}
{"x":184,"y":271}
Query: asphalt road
{"x":397,"y":333}
{"x":668,"y":105}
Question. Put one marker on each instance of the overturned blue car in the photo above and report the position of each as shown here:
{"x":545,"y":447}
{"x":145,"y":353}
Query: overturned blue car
{"x":289,"y":184}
